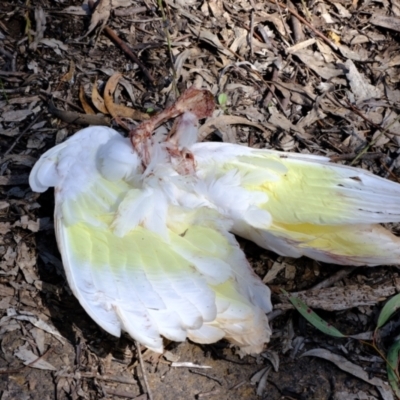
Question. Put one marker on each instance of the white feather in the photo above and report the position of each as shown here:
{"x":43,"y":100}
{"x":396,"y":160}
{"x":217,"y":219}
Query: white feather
{"x":149,"y":251}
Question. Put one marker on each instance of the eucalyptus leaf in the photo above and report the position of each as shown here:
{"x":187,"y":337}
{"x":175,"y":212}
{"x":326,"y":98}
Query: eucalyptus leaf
{"x":388,"y":310}
{"x":314,"y":319}
{"x":392,"y":369}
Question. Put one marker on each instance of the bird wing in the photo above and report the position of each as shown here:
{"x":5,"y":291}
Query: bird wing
{"x":323,"y":210}
{"x":129,"y":269}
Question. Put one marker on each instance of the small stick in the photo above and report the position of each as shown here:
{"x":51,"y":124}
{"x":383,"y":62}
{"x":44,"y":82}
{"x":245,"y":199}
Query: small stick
{"x":359,"y":113}
{"x":389,"y":170}
{"x":206,"y":375}
{"x":120,"y":393}
{"x":208,"y":394}
{"x":351,"y":156}
{"x":238,"y":385}
{"x":285,"y":28}
{"x":128,"y":52}
{"x":165,"y":24}
{"x":334,"y":278}
{"x":251,"y":35}
{"x":5,"y":53}
{"x":271,"y":89}
{"x":297,"y":31}
{"x":129,"y":11}
{"x":143,"y":370}
{"x":384,"y":131}
{"x":244,"y":26}
{"x":107,"y":378}
{"x":274,"y":314}
{"x":22,"y":134}
{"x":305,"y":22}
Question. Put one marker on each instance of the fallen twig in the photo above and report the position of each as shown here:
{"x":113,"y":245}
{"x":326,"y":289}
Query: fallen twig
{"x":22,"y":134}
{"x":208,"y":394}
{"x":207,"y":376}
{"x":334,"y":278}
{"x":351,"y":156}
{"x":113,"y":36}
{"x":149,"y":394}
{"x":271,"y":88}
{"x":72,"y":117}
{"x":305,"y":22}
{"x":384,"y":131}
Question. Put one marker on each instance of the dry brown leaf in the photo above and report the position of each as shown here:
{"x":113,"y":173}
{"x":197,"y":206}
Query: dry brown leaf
{"x":86,"y":106}
{"x":6,"y":291}
{"x":182,"y":58}
{"x":70,"y":74}
{"x":343,"y":12}
{"x":39,"y":337}
{"x":315,"y":114}
{"x":4,"y":228}
{"x":360,"y":87}
{"x":40,"y":20}
{"x":77,"y":10}
{"x":32,"y":360}
{"x":100,"y":15}
{"x":15,"y":115}
{"x":241,"y":36}
{"x":117,"y":110}
{"x":326,"y":51}
{"x":26,"y":261}
{"x":216,"y":7}
{"x":213,"y":123}
{"x":211,"y":39}
{"x":38,"y":323}
{"x":276,"y":19}
{"x":360,"y":395}
{"x":301,"y":45}
{"x":315,"y":61}
{"x":56,"y":45}
{"x":386,"y":22}
{"x":283,"y":123}
{"x":184,"y":13}
{"x":360,"y":55}
{"x":97,"y":100}
{"x":277,"y":266}
{"x":342,"y":298}
{"x":353,"y":369}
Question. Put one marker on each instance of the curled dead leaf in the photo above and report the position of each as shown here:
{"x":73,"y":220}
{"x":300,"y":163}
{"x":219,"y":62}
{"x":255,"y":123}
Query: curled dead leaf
{"x":97,"y":100}
{"x":353,"y":369}
{"x":68,"y":77}
{"x":117,"y":110}
{"x":86,"y":106}
{"x":213,"y":123}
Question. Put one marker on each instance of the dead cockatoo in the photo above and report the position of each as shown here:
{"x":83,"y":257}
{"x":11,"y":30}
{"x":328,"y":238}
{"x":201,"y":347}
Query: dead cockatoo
{"x":145,"y":225}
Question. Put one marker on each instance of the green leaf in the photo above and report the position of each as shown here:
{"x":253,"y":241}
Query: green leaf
{"x":222,"y":100}
{"x":314,"y":319}
{"x":388,"y":310}
{"x":392,"y":364}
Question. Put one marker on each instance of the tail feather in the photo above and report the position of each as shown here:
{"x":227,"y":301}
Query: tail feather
{"x":355,"y":245}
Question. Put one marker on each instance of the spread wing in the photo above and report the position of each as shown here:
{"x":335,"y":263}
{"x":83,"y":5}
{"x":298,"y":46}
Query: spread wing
{"x":322,"y":210}
{"x":139,"y":265}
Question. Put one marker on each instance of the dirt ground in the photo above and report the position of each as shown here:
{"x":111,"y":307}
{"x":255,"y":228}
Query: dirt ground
{"x":315,"y":76}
